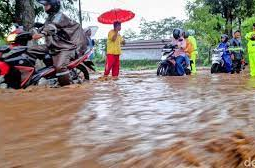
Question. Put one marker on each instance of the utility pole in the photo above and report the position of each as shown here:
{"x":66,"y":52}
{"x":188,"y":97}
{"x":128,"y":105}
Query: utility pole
{"x":80,"y":15}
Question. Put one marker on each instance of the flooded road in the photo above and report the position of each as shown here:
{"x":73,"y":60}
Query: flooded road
{"x":139,"y":121}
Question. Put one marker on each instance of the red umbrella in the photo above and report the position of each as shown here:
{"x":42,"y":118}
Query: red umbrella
{"x":114,"y":15}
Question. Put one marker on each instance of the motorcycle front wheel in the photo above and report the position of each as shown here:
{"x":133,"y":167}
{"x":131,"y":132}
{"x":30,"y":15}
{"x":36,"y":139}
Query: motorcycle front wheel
{"x":79,"y":74}
{"x":162,"y":70}
{"x":215,"y":68}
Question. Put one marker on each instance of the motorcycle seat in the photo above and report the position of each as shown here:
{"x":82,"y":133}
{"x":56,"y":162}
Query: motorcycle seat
{"x":15,"y":51}
{"x":4,"y":49}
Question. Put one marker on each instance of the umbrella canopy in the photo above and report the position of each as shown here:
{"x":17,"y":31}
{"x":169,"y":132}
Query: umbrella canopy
{"x":115,"y":15}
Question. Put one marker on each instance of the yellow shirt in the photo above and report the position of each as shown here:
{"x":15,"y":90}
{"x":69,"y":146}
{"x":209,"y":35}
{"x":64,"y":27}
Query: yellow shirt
{"x":114,"y":47}
{"x":189,"y":47}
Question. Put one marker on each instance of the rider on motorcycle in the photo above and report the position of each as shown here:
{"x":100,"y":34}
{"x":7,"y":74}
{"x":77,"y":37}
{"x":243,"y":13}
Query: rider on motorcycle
{"x":236,"y":49}
{"x":180,"y":54}
{"x":226,"y":54}
{"x":64,"y":40}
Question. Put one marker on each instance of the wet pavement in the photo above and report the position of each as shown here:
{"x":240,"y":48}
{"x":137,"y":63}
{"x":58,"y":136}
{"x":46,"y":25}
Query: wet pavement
{"x":140,"y":120}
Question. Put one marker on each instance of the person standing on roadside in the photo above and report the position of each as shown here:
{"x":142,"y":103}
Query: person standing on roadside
{"x":114,"y":43}
{"x":251,"y":50}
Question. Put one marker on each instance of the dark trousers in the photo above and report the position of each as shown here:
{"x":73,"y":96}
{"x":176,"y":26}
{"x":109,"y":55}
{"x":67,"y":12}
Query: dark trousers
{"x":179,"y":65}
{"x":60,"y":60}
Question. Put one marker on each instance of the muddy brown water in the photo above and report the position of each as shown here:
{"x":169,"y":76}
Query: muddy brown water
{"x":140,"y":120}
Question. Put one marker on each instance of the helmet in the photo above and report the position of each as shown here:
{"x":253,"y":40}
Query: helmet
{"x":186,"y":34}
{"x":177,"y":33}
{"x":225,"y":37}
{"x":55,"y":5}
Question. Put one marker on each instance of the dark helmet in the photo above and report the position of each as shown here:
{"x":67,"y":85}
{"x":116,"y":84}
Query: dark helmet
{"x":55,"y":5}
{"x":177,"y":33}
{"x":186,"y":34}
{"x":225,"y":37}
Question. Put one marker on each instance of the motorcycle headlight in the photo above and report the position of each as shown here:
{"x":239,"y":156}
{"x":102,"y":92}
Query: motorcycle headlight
{"x":11,"y":38}
{"x":163,"y":57}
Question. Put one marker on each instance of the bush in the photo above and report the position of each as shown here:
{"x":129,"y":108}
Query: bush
{"x":2,"y":42}
{"x":128,"y":64}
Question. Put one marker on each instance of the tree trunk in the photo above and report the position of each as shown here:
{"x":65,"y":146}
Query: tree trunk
{"x":231,"y":26}
{"x":239,"y":23}
{"x":25,"y":13}
{"x":80,"y":14}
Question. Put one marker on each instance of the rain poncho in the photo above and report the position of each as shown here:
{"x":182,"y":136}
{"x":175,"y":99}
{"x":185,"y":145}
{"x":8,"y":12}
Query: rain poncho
{"x":64,"y":40}
{"x":69,"y":34}
{"x":251,"y":51}
{"x":226,"y":57}
{"x":194,"y":53}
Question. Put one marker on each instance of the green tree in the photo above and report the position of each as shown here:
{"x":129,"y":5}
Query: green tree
{"x":159,"y":29}
{"x":233,"y":11}
{"x":6,"y":16}
{"x":25,"y":11}
{"x":130,"y":35}
{"x":207,"y":26}
{"x":247,"y":24}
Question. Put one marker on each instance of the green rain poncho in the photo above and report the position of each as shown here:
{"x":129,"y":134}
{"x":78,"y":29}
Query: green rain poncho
{"x":251,"y":51}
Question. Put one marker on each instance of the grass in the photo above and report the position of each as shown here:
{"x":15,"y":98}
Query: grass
{"x":131,"y":65}
{"x":136,"y":65}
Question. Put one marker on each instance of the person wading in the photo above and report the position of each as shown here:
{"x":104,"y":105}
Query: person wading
{"x":114,"y":43}
{"x":251,"y":50}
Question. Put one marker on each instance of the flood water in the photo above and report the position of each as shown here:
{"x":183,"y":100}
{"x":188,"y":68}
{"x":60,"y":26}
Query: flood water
{"x":138,"y":121}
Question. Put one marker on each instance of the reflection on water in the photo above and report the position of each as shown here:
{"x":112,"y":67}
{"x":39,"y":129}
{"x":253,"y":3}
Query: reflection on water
{"x":138,"y":121}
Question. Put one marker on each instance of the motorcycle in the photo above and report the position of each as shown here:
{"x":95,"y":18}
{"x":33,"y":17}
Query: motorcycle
{"x":217,"y":61}
{"x":238,"y":63}
{"x":166,"y":65}
{"x":17,"y":67}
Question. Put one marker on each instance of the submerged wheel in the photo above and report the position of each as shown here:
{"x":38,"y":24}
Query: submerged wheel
{"x":162,"y":70}
{"x":187,"y":71}
{"x":80,"y":73}
{"x":215,"y":68}
{"x":159,"y":70}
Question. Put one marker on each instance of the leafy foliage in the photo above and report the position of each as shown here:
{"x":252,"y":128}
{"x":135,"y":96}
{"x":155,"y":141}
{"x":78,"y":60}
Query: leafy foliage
{"x":211,"y":18}
{"x":152,"y":30}
{"x":247,"y":24}
{"x":13,"y":11}
{"x":6,"y":15}
{"x":207,"y":26}
{"x":130,"y":35}
{"x":2,"y":42}
{"x":159,"y":29}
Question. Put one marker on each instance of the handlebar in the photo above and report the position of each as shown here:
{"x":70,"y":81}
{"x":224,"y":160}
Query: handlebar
{"x":38,"y":25}
{"x":170,"y":46}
